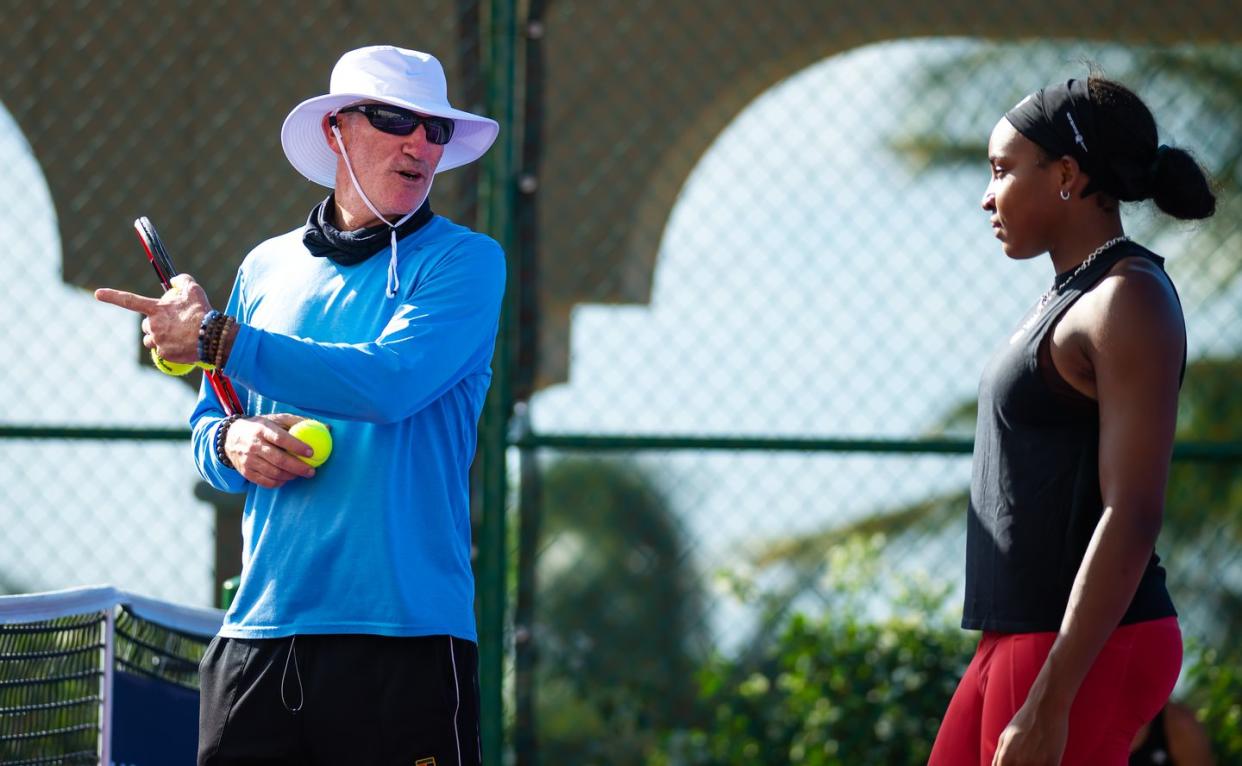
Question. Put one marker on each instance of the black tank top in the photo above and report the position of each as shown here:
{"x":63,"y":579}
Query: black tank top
{"x":1035,"y":485}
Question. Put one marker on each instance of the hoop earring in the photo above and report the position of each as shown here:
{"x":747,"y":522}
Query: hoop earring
{"x":1065,"y":195}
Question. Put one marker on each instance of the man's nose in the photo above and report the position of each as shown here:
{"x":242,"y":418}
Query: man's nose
{"x":417,"y":140}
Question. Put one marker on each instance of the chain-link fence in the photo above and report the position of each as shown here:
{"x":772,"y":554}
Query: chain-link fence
{"x":760,"y":292}
{"x":751,"y":295}
{"x":171,"y":110}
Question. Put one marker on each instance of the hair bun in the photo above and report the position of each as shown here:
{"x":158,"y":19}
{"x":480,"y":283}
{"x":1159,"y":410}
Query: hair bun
{"x":1179,"y":185}
{"x":1135,"y":166}
{"x":1161,"y":152}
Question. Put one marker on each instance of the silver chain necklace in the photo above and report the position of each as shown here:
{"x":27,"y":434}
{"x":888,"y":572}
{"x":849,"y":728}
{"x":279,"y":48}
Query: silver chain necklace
{"x":1056,"y":289}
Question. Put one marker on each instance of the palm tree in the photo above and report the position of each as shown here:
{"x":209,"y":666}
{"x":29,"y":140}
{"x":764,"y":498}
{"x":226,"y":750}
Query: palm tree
{"x":1196,"y":88}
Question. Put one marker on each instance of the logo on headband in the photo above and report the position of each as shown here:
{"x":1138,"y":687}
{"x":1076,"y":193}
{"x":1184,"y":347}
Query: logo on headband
{"x":1077,"y":135}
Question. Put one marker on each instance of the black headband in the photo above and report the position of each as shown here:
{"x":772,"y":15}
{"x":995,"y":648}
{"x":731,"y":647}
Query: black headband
{"x":1058,"y":118}
{"x":1061,"y":119}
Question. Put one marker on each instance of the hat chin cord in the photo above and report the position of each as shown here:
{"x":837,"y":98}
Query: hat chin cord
{"x":394,"y":282}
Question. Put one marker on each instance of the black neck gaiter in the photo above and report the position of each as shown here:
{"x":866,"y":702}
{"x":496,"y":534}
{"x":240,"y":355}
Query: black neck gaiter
{"x":348,"y":248}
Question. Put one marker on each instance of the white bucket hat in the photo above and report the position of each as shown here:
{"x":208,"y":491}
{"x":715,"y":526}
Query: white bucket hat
{"x":391,"y":75}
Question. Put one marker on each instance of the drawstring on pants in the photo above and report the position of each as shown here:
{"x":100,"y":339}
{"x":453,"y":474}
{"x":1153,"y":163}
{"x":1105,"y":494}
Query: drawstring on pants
{"x":293,"y":653}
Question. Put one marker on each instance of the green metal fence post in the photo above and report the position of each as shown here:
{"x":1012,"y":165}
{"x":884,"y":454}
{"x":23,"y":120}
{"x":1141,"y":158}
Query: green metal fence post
{"x":496,"y":202}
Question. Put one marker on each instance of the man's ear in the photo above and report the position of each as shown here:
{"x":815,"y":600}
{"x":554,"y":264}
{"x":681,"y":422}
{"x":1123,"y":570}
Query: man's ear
{"x":326,"y":127}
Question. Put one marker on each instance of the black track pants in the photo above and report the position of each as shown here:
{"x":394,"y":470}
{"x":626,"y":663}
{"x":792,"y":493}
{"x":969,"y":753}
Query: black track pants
{"x":339,"y":699}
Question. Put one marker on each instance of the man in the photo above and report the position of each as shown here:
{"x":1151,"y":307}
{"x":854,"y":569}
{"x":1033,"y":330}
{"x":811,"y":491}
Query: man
{"x":351,"y":638}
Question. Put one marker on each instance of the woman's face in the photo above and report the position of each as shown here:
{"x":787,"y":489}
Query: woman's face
{"x":1023,"y":195}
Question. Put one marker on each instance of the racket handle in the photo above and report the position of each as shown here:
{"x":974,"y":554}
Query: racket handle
{"x":231,"y":394}
{"x":225,"y":393}
{"x":220,"y":396}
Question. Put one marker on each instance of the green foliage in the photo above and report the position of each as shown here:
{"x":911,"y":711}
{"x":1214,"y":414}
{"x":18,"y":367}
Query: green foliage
{"x":1203,"y":510}
{"x":620,"y":624}
{"x":1215,"y":690}
{"x":1210,"y":408}
{"x":844,"y":687}
{"x":835,"y":690}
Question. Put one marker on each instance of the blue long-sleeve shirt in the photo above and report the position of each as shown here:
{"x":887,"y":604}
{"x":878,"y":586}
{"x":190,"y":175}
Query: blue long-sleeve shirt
{"x":378,"y":541}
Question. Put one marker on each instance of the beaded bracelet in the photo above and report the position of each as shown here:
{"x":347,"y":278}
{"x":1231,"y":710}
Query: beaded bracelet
{"x":219,"y":358}
{"x":214,"y":341}
{"x":221,"y":431}
{"x":205,"y":352}
{"x":211,"y":334}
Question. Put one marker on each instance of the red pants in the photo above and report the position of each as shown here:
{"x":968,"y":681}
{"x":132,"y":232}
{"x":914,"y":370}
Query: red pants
{"x":1130,"y":681}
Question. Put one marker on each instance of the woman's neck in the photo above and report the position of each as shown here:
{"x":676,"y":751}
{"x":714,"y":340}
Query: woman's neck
{"x":1083,"y":236}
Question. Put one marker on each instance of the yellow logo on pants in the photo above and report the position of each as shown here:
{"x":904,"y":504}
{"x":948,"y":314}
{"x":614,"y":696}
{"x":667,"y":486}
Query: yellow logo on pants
{"x":425,"y":762}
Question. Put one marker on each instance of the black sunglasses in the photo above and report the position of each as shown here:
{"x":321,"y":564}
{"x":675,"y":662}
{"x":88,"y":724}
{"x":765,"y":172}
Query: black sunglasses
{"x":397,"y":121}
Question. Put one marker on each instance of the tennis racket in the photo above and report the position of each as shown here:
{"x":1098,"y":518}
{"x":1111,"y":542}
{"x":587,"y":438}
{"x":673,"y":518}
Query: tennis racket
{"x":158,"y":257}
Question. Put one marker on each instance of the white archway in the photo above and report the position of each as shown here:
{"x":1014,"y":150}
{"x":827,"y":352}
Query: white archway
{"x":85,"y":512}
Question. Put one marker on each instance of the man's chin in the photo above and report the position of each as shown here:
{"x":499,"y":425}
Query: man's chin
{"x":403,"y":206}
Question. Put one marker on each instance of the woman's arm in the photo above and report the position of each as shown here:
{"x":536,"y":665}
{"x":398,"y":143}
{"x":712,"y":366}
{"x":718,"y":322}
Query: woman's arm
{"x":1134,"y":343}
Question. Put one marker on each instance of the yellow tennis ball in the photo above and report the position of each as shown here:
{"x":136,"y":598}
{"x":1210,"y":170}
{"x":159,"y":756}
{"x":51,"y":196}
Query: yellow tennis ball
{"x":317,"y":436}
{"x":170,"y":368}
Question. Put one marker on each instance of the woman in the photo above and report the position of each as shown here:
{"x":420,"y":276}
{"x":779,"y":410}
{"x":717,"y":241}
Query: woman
{"x":1077,"y":410}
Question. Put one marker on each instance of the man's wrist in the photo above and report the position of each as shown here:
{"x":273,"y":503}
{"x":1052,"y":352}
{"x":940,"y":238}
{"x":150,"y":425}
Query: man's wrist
{"x":205,"y":329}
{"x":216,"y":334}
{"x":222,"y":432}
{"x":227,"y":336}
